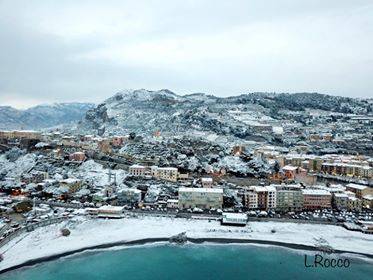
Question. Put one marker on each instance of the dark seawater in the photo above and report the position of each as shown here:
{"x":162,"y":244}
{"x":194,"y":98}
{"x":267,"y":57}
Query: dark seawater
{"x":191,"y":262}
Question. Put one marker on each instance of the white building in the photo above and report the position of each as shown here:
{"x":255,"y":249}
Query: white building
{"x":137,"y":170}
{"x":272,"y":200}
{"x":207,"y":182}
{"x":164,"y":173}
{"x":238,"y":219}
{"x":204,"y":198}
{"x":108,"y":211}
{"x":173,"y":203}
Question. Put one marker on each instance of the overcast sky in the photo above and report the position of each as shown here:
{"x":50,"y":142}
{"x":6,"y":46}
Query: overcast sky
{"x":63,"y":51}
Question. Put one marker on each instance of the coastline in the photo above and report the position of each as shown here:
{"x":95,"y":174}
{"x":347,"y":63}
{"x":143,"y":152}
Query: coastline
{"x":45,"y":244}
{"x":225,"y":241}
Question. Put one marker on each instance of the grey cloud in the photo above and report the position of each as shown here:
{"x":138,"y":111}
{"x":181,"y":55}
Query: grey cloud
{"x":37,"y":64}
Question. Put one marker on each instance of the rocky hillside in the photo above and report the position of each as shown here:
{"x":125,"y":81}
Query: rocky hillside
{"x":42,"y":116}
{"x":143,"y":112}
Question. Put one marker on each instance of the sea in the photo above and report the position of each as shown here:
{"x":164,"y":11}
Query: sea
{"x":192,"y":261}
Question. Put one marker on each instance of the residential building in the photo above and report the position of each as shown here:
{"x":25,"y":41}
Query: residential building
{"x":206,"y":182}
{"x":165,"y":173}
{"x":354,"y":204}
{"x":289,"y":171}
{"x":289,"y":198}
{"x":266,"y":197}
{"x":359,"y":190}
{"x":71,"y":184}
{"x":173,"y":203}
{"x":340,"y":201}
{"x":251,"y":199}
{"x":204,"y":198}
{"x":316,"y":199}
{"x":129,"y":196}
{"x":137,"y":170}
{"x":77,"y":156}
{"x":368,"y":201}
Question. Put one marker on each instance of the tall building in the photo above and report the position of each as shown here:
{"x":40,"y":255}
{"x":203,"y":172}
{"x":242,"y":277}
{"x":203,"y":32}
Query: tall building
{"x":251,"y":199}
{"x":266,"y":197}
{"x":289,"y":198}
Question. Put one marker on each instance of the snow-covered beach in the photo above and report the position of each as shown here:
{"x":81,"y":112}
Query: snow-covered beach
{"x":85,"y":233}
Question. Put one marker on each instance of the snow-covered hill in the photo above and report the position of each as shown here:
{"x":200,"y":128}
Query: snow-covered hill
{"x":42,"y":116}
{"x":143,"y":112}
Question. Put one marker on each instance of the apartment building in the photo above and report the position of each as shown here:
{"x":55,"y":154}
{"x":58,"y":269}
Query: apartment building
{"x":340,"y":201}
{"x":359,"y":190}
{"x":251,"y":199}
{"x":164,"y":173}
{"x":203,"y":198}
{"x":266,"y":197}
{"x":137,"y":170}
{"x":316,"y":199}
{"x":354,"y":204}
{"x":368,"y":201}
{"x":289,"y":198}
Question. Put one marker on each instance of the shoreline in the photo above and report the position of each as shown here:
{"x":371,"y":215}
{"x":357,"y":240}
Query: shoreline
{"x":146,"y":241}
{"x":47,"y":243}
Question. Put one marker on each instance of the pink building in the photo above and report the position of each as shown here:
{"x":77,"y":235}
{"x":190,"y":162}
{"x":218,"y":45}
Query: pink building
{"x":316,"y":199}
{"x":78,"y":156}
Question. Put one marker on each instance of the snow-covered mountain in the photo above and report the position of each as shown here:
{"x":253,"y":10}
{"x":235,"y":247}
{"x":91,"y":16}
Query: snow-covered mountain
{"x":142,"y":111}
{"x":42,"y":116}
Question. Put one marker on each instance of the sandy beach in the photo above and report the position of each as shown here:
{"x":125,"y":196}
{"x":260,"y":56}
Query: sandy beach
{"x":89,"y":233}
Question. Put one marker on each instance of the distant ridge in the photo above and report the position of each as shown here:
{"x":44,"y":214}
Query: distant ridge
{"x":42,"y":116}
{"x":145,"y":111}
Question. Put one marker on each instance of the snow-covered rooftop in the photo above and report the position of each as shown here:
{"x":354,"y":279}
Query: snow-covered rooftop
{"x":201,"y":190}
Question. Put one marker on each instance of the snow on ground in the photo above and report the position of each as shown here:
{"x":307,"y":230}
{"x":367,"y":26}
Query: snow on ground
{"x":18,"y":167}
{"x":95,"y":172}
{"x":90,"y":232}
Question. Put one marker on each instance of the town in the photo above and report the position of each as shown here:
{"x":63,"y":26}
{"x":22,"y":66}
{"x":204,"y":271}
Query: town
{"x":50,"y":176}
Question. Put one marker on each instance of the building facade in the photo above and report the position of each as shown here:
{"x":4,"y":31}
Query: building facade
{"x":316,"y":199}
{"x":203,"y":198}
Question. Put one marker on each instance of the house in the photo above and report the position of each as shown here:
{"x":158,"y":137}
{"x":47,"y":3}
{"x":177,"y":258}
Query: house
{"x":206,"y":182}
{"x":290,"y":171}
{"x":78,"y":156}
{"x":71,"y":184}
